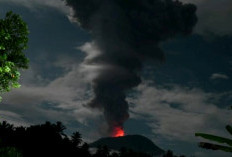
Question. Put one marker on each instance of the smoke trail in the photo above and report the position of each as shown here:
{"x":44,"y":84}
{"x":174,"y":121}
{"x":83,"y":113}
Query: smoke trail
{"x":127,"y":32}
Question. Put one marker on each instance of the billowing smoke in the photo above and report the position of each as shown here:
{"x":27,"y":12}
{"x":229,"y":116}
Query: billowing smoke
{"x":127,"y":32}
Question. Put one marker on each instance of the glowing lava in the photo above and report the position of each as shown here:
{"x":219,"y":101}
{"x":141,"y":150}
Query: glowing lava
{"x":118,"y":132}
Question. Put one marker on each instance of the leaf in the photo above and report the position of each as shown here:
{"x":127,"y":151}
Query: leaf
{"x":2,"y":47}
{"x":215,"y":138}
{"x":7,"y":69}
{"x":16,"y":85}
{"x":3,"y":57}
{"x":229,"y":129}
{"x":7,"y":37}
{"x":17,"y":73}
{"x":215,"y":147}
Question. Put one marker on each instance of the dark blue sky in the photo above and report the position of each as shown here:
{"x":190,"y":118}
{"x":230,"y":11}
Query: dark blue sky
{"x":190,"y":92}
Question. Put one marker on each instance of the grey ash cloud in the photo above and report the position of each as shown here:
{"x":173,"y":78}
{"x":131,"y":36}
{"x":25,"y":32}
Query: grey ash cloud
{"x":214,"y":16}
{"x":127,"y":33}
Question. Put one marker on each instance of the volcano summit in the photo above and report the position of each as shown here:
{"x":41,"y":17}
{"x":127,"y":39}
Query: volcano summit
{"x":136,"y":143}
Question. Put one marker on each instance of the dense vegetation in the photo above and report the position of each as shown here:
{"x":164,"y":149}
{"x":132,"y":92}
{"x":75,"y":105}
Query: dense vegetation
{"x":49,"y":140}
{"x":13,"y":42}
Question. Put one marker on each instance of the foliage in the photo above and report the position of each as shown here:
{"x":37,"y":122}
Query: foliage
{"x":206,"y":145}
{"x":9,"y":152}
{"x":13,"y":41}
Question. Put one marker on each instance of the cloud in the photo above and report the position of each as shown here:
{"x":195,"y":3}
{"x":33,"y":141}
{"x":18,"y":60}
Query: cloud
{"x":219,"y":76}
{"x":176,"y":113}
{"x":36,"y":4}
{"x":13,"y":118}
{"x":60,"y":99}
{"x":66,"y":94}
{"x":213,"y":16}
{"x":55,"y":87}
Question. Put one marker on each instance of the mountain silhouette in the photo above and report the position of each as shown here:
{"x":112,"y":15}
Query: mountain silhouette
{"x":136,"y":143}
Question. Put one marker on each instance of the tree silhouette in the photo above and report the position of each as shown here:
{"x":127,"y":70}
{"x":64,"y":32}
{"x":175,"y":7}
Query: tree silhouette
{"x":40,"y":140}
{"x":130,"y":153}
{"x":84,"y":150}
{"x":102,"y":152}
{"x":170,"y":153}
{"x":76,"y":139}
{"x":60,"y":128}
{"x":13,"y":41}
{"x":6,"y":149}
{"x":6,"y":131}
{"x":114,"y":154}
{"x":6,"y":126}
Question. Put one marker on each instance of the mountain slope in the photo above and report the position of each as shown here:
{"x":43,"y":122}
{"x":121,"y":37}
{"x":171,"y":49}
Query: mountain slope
{"x":136,"y":143}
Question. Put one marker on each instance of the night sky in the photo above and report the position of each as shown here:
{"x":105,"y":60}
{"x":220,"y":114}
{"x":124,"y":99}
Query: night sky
{"x":190,"y":91}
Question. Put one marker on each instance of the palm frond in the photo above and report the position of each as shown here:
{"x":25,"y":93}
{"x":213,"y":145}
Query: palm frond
{"x":215,"y":138}
{"x":229,"y":129}
{"x":215,"y":147}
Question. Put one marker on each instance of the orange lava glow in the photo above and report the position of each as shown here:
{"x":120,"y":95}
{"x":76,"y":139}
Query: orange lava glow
{"x":118,"y":132}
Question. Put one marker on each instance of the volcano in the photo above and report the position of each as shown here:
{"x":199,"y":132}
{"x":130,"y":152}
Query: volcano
{"x":136,"y":143}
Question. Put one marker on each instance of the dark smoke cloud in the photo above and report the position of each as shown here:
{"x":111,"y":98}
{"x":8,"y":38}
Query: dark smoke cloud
{"x":127,"y":32}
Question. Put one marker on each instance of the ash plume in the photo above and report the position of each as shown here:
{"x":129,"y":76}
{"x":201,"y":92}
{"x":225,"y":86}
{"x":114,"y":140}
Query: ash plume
{"x":127,"y":32}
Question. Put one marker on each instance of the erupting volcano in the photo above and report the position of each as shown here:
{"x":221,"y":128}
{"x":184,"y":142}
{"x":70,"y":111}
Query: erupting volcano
{"x":118,"y":132}
{"x":125,"y":35}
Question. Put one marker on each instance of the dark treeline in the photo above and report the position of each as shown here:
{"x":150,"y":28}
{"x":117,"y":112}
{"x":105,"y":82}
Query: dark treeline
{"x":49,"y":140}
